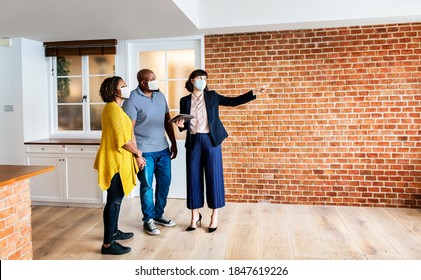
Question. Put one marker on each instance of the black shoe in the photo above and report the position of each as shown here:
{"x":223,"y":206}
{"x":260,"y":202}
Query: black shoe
{"x":164,"y":222}
{"x":123,"y":235}
{"x":212,"y":229}
{"x":150,"y":228}
{"x":115,"y":249}
{"x":198,"y":223}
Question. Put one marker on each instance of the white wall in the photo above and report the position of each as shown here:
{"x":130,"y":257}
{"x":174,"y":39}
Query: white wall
{"x":35,"y":91}
{"x":11,"y":129}
{"x":23,"y":85}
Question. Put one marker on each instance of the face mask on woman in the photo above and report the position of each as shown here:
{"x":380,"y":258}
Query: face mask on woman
{"x":200,"y":84}
{"x":125,"y":92}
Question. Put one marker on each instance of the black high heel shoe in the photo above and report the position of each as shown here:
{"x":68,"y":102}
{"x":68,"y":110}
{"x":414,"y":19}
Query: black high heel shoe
{"x":212,"y":229}
{"x":198,"y":223}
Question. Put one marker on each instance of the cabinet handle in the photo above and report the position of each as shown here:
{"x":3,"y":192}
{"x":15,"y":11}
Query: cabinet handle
{"x":81,"y":149}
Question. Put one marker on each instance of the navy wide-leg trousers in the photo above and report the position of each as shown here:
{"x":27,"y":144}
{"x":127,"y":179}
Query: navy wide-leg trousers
{"x":204,"y":160}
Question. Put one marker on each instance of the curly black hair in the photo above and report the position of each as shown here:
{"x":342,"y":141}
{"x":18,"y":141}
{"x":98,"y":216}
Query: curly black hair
{"x":194,"y":74}
{"x":108,"y":88}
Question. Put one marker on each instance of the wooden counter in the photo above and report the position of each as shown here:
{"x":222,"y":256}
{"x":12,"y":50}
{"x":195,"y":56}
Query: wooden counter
{"x":10,"y":174}
{"x":64,"y":141}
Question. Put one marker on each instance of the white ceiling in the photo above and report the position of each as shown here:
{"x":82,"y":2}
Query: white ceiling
{"x":59,"y":20}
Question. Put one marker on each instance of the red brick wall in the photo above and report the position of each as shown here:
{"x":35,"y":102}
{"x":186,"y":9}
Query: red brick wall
{"x":340,"y":124}
{"x":15,"y":222}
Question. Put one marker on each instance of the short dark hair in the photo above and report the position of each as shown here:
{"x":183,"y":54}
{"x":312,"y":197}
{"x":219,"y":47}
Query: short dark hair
{"x":194,"y":74}
{"x":142,"y":73}
{"x":108,"y":88}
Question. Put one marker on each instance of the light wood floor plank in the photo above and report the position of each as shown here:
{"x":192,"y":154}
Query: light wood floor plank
{"x":411,"y":218}
{"x":306,"y":240}
{"x":367,"y":236}
{"x":274,"y":241}
{"x":62,"y":224}
{"x":244,"y":234}
{"x":339,"y":243}
{"x":243,"y":243}
{"x":41,"y":212}
{"x":57,"y":218}
{"x":177,"y":245}
{"x":395,"y":232}
{"x":245,"y":231}
{"x":213,"y":246}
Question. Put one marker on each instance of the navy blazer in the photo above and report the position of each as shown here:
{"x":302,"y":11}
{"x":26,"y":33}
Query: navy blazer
{"x":217,"y":130}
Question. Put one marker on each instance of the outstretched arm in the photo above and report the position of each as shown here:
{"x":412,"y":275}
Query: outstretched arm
{"x":241,"y":99}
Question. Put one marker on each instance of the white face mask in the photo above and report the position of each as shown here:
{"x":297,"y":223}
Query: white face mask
{"x":153,"y":85}
{"x":200,"y":84}
{"x":125,"y":92}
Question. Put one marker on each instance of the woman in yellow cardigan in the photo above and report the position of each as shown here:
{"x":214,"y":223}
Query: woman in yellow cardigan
{"x":118,"y":160}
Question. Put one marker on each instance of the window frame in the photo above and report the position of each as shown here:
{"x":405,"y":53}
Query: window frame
{"x":86,"y":131}
{"x":162,"y":44}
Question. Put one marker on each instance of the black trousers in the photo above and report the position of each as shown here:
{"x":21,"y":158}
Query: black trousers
{"x":111,"y":212}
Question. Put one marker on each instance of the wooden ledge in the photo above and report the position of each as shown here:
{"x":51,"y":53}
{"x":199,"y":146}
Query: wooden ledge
{"x":10,"y":174}
{"x":64,"y":141}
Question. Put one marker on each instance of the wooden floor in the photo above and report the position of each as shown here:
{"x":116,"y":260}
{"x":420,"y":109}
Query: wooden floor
{"x":245,"y":232}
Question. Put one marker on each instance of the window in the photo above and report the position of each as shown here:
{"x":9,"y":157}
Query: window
{"x":78,"y":69}
{"x":172,"y":62}
{"x":172,"y":68}
{"x":77,"y":104}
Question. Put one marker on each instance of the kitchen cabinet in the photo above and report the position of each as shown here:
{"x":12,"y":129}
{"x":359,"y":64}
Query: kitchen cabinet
{"x":73,"y":181}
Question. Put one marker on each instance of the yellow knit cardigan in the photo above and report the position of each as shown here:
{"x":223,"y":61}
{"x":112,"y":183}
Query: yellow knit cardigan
{"x":111,"y":157}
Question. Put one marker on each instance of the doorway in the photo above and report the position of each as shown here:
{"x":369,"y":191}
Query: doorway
{"x":172,"y":61}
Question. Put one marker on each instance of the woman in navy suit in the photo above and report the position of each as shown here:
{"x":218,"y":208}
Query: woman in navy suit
{"x":205,"y":133}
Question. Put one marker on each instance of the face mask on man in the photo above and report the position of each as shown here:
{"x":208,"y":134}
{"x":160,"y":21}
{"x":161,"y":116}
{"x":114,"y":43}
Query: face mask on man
{"x":125,"y":92}
{"x":200,"y":84}
{"x":153,"y":85}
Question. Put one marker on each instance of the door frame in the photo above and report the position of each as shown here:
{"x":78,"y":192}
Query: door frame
{"x":178,"y":165}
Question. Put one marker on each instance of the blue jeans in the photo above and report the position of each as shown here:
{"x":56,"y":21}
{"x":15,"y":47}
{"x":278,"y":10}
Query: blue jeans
{"x":158,"y":164}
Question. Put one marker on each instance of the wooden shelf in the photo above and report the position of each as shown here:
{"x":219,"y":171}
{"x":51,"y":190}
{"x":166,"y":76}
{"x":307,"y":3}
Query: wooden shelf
{"x":64,"y":141}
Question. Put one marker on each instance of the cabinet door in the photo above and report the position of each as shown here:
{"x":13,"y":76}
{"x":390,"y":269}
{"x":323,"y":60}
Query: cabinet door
{"x":81,"y":179}
{"x":47,"y":186}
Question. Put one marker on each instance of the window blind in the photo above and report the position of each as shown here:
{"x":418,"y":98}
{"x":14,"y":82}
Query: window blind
{"x":82,"y":47}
